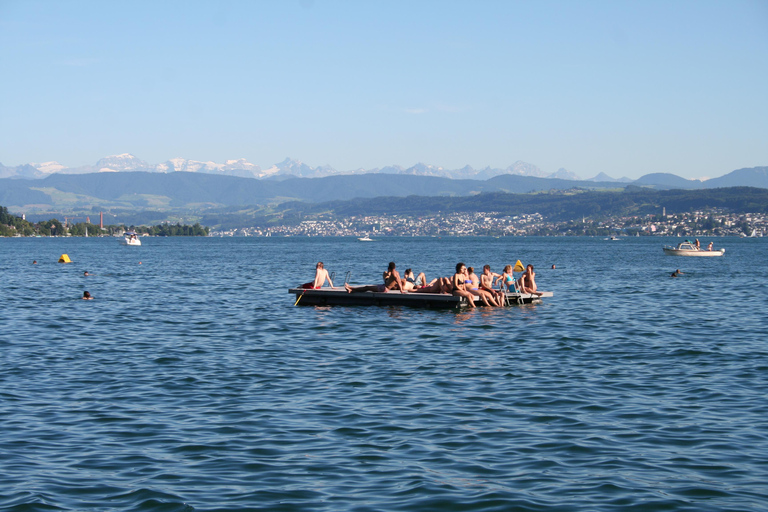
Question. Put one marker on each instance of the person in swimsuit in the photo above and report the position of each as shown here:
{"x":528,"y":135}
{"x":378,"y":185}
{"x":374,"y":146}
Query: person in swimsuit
{"x":476,"y":289}
{"x":460,"y":286}
{"x":321,"y":276}
{"x":507,"y":278}
{"x":527,"y":281}
{"x":438,"y":285}
{"x":411,"y":283}
{"x":486,"y":283}
{"x":392,"y":280}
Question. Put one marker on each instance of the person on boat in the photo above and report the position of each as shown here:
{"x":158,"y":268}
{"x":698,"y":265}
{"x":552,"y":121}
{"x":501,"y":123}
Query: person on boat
{"x":476,"y":289}
{"x":507,"y":278}
{"x":698,"y":244}
{"x":87,"y":296}
{"x":676,"y":273}
{"x":527,"y":282}
{"x":709,"y":247}
{"x":392,"y":280}
{"x":486,"y":283}
{"x":460,"y":286}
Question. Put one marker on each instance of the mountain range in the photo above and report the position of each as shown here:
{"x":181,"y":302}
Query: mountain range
{"x":197,"y":191}
{"x":287,"y":168}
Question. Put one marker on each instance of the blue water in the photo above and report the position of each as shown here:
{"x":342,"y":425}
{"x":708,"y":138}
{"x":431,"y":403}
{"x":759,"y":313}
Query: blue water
{"x":192,"y":382}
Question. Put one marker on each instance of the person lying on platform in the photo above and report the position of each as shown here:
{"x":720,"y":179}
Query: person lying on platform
{"x":486,"y":283}
{"x":527,"y":282}
{"x":321,"y":276}
{"x":392,"y":280}
{"x":438,"y":285}
{"x":411,"y":283}
{"x":460,"y":286}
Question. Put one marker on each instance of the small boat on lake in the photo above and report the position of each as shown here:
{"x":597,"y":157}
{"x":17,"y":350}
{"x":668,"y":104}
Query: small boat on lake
{"x":365,"y":239}
{"x":131,"y":238}
{"x":689,"y":249}
{"x":338,"y":296}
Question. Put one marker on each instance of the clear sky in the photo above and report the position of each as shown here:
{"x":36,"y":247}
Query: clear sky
{"x":621,"y":87}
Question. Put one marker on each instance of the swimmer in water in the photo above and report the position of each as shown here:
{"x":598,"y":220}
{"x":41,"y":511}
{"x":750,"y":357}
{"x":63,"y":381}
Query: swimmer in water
{"x":87,"y":296}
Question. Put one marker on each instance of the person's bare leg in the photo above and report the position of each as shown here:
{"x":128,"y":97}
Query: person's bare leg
{"x":466,"y":295}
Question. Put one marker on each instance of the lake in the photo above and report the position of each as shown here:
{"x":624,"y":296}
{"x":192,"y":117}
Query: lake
{"x":192,"y":382}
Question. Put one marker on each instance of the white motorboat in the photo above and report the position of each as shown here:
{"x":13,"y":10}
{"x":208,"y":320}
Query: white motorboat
{"x":689,"y":249}
{"x":131,"y":238}
{"x":365,"y":239}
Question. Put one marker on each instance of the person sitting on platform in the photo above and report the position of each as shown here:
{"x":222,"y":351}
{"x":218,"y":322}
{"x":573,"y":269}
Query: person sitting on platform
{"x":486,"y":283}
{"x":476,"y":289}
{"x":321,"y":276}
{"x":392,"y":280}
{"x":527,"y":282}
{"x":507,"y":278}
{"x":460,"y":287}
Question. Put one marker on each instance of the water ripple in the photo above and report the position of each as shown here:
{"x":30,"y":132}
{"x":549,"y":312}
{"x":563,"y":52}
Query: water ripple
{"x":192,"y":383}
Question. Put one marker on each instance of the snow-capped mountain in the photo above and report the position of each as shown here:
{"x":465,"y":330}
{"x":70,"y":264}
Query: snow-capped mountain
{"x":122,"y":163}
{"x":126,"y":162}
{"x":241,"y":167}
{"x":290,"y":167}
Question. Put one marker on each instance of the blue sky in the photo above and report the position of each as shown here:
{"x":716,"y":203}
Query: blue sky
{"x":625,"y":88}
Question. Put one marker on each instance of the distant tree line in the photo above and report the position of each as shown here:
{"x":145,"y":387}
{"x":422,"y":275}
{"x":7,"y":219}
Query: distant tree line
{"x":12,"y":225}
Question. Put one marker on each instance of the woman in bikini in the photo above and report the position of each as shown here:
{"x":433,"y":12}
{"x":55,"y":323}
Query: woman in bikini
{"x":460,"y":285}
{"x":507,"y":278}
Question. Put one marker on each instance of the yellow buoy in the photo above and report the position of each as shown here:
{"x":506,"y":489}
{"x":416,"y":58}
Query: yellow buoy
{"x":64,"y":259}
{"x":518,"y":267}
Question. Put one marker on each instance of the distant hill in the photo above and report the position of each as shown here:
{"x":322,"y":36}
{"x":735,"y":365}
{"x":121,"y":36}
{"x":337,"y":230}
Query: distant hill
{"x":667,"y":181}
{"x":141,"y":190}
{"x":184,"y":189}
{"x":553,"y":206}
{"x":750,"y":177}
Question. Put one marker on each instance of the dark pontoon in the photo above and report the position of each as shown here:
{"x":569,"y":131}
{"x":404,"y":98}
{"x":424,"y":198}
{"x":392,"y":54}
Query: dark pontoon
{"x":338,"y":296}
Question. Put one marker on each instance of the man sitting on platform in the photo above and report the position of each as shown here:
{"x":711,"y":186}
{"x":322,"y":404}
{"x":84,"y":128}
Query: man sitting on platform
{"x":392,"y":280}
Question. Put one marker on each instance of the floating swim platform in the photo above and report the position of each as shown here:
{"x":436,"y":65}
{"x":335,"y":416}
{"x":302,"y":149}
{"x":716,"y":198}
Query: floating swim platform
{"x":338,"y":296}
